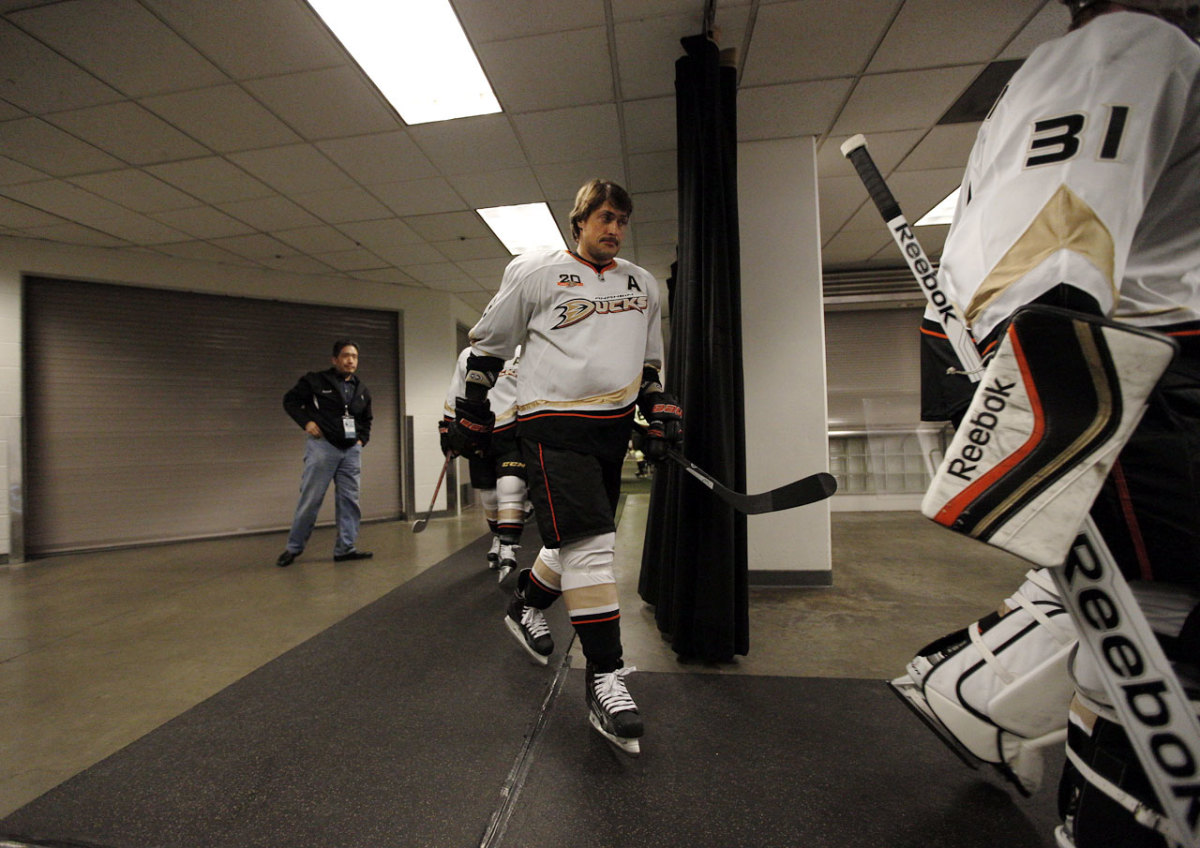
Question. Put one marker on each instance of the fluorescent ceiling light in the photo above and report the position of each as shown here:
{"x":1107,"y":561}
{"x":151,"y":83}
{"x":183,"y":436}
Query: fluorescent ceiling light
{"x":943,"y":213}
{"x":528,"y":226}
{"x":416,"y":53}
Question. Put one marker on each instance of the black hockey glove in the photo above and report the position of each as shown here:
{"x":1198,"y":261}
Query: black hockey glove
{"x":664,"y":419}
{"x":444,"y":436}
{"x":470,"y":432}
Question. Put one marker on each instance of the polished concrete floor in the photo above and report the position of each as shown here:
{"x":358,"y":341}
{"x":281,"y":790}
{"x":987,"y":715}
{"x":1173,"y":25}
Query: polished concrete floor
{"x":98,"y":649}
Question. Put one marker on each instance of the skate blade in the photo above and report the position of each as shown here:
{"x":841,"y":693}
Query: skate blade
{"x":916,"y":704}
{"x":631,"y":747}
{"x":507,"y":578}
{"x":515,"y":630}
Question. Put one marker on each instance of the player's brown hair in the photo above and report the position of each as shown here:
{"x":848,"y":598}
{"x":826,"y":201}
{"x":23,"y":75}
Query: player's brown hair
{"x":594,"y":194}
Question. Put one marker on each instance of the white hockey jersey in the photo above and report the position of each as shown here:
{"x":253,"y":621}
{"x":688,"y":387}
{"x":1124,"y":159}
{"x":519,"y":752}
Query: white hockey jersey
{"x":502,"y":398}
{"x":586,"y":334}
{"x":1087,"y":172}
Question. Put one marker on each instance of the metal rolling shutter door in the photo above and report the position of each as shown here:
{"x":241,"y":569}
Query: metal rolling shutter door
{"x":157,"y":415}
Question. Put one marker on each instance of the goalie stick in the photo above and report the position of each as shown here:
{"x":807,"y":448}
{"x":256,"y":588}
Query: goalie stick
{"x":855,"y":149}
{"x":420,"y":523}
{"x":1144,"y":690}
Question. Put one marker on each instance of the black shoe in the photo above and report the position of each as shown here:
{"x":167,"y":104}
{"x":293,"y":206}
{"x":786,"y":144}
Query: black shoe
{"x":285,"y":559}
{"x":349,"y":555}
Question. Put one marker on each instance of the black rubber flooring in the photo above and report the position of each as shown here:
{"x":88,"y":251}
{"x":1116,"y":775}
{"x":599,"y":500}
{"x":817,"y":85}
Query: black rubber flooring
{"x":418,"y":722}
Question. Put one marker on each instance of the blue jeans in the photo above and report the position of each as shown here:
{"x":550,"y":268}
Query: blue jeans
{"x":324,"y":463}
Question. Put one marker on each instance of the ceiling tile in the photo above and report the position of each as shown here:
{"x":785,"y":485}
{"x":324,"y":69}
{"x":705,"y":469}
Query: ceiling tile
{"x":449,"y":226}
{"x":469,"y":144}
{"x":295,"y":168}
{"x":942,"y":146}
{"x":378,"y":235}
{"x":129,"y":132}
{"x":469,"y":249}
{"x":249,"y":40}
{"x":380,"y":158}
{"x":138,"y":229}
{"x":649,"y":125}
{"x":255,"y":246}
{"x":359,"y":259}
{"x":785,"y":111}
{"x":270,"y":213}
{"x":135,"y":190}
{"x":388,"y":275}
{"x":71,"y":233}
{"x":565,"y":135}
{"x":497,"y":188}
{"x":225,"y":118}
{"x":489,"y":21}
{"x":200,"y":251}
{"x":403,"y":255}
{"x":339,"y":205}
{"x":1051,"y":22}
{"x":203,"y":222}
{"x":327,"y":103}
{"x":297,"y":265}
{"x":652,"y":172}
{"x":14,"y":172}
{"x":33,"y":142}
{"x":320,"y":239}
{"x":890,"y":101}
{"x":65,"y":200}
{"x":561,"y":181}
{"x":962,"y":39}
{"x":39,"y":80}
{"x":814,"y":39}
{"x":211,"y":179}
{"x":655,"y":206}
{"x":419,"y":197}
{"x":20,"y":215}
{"x":81,"y":30}
{"x":487,"y":272}
{"x":519,"y":68}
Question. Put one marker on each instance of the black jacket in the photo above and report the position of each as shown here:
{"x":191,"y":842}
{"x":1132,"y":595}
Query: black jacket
{"x":317,"y":396}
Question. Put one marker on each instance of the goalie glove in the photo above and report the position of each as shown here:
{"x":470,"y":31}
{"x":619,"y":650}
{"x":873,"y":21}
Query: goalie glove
{"x":664,"y":417}
{"x":470,"y":433}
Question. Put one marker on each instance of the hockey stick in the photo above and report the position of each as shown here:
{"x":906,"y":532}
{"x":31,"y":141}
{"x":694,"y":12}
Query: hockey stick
{"x":855,"y":149}
{"x":810,"y":489}
{"x":1141,"y":684}
{"x":420,"y":523}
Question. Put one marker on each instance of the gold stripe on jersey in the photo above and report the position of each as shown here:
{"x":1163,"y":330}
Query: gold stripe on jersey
{"x":606,"y":402}
{"x":1066,"y":222}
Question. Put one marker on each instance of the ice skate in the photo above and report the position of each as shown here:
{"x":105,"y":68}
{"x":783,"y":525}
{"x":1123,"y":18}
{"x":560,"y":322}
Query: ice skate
{"x":528,"y":626}
{"x":493,"y":554}
{"x":612,"y":711}
{"x":507,"y":569}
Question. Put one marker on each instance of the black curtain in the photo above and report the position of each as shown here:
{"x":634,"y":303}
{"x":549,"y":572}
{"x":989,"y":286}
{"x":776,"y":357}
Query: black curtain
{"x":694,"y":563}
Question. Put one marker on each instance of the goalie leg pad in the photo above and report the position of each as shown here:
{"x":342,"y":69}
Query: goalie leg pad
{"x":1056,"y":404}
{"x":1000,"y":688}
{"x":1104,"y":796}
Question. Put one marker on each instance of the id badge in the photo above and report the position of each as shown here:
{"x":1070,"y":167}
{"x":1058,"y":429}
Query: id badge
{"x":348,"y":426}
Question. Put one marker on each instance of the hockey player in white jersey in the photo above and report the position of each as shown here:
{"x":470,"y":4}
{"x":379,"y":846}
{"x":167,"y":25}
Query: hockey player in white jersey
{"x":1083,"y":191}
{"x":499,"y":474}
{"x":592,"y":351}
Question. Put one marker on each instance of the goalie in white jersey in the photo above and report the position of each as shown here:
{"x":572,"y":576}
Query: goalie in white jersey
{"x":589,"y":324}
{"x":1083,"y":191}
